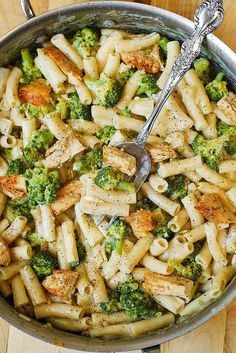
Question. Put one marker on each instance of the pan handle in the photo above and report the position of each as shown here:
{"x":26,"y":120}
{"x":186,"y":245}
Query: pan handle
{"x":27,"y":9}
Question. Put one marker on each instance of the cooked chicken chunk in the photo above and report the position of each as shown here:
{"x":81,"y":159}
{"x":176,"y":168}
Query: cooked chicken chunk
{"x":119,"y":159}
{"x":62,"y":151}
{"x":13,"y":186}
{"x":160,"y":152}
{"x":212,"y":208}
{"x":67,"y":66}
{"x":141,"y":223}
{"x":61,"y":283}
{"x":68,"y":195}
{"x":37,"y":93}
{"x":5,"y":256}
{"x":168,"y":285}
{"x":145,"y":59}
{"x":228,"y":105}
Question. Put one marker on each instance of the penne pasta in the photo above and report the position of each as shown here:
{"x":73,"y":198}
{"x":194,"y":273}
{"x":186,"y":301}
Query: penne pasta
{"x":4,"y":74}
{"x":32,"y":285}
{"x":180,"y":166}
{"x":136,"y":254}
{"x":58,"y":310}
{"x":137,"y":43}
{"x":173,"y":49}
{"x":48,"y":223}
{"x":11,"y":98}
{"x":213,"y":244}
{"x":19,"y":293}
{"x":50,"y":70}
{"x":160,"y":200}
{"x":66,"y":48}
{"x":190,"y":202}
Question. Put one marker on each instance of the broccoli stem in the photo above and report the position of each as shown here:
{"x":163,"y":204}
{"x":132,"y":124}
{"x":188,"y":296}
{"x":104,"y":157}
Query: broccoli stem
{"x":220,"y":76}
{"x":126,"y":186}
{"x":26,"y":56}
{"x":163,"y":44}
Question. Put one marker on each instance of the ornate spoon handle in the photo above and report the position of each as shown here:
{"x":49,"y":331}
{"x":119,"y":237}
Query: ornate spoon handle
{"x":208,"y":17}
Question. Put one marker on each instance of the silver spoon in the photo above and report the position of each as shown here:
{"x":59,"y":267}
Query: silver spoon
{"x":207,"y":18}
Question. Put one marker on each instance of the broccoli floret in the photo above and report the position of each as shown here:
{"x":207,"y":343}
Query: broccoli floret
{"x":81,"y":251}
{"x":217,"y":88}
{"x":7,"y":154}
{"x":135,"y":302}
{"x":144,"y":203}
{"x":62,"y":107}
{"x":43,"y":263}
{"x":34,"y":111}
{"x":37,"y":145}
{"x":108,"y":247}
{"x":108,"y":178}
{"x":189,"y":268}
{"x":191,"y":271}
{"x":107,"y":90}
{"x":191,"y":257}
{"x":85,"y":41}
{"x":73,"y":265}
{"x":105,"y":133}
{"x":112,"y":305}
{"x":78,"y":110}
{"x":16,"y":167}
{"x":163,"y":44}
{"x":161,"y":229}
{"x":126,"y":112}
{"x":16,"y":208}
{"x":124,"y":76}
{"x":34,"y":240}
{"x":132,"y":300}
{"x":148,"y":85}
{"x":30,"y":70}
{"x":229,"y":131}
{"x":202,"y":68}
{"x":210,"y":150}
{"x":118,"y":231}
{"x":42,"y":186}
{"x":164,"y":232}
{"x":177,"y":187}
{"x":89,"y":162}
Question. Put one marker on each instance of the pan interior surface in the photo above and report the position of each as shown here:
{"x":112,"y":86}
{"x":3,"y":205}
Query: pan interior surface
{"x":135,"y":18}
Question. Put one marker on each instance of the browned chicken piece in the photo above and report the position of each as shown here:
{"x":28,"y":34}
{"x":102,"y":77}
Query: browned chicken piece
{"x":5,"y":255}
{"x":13,"y":186}
{"x":66,"y":66}
{"x":36,"y":93}
{"x":228,"y":105}
{"x":61,"y":283}
{"x":145,"y":59}
{"x":119,"y":159}
{"x":68,"y":195}
{"x":168,"y":285}
{"x":212,"y":208}
{"x":62,"y":151}
{"x":141,"y":223}
{"x":160,"y":152}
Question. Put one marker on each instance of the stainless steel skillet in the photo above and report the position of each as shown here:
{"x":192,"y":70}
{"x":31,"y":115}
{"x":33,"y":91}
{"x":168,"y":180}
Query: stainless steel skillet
{"x":134,"y":17}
